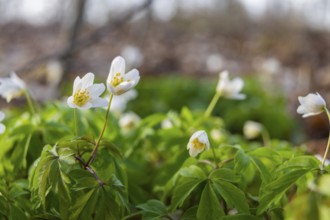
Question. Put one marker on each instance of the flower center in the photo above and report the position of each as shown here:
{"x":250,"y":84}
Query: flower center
{"x":198,"y":145}
{"x":117,"y":79}
{"x":81,"y":97}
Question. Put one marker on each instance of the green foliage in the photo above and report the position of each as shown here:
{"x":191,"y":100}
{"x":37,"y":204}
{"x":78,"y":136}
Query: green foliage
{"x":146,"y":172}
{"x":260,"y":105}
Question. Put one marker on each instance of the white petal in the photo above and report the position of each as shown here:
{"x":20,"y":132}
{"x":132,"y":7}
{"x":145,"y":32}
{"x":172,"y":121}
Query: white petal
{"x":193,"y":152}
{"x":76,"y":84}
{"x":301,"y":109}
{"x":99,"y":102}
{"x":321,"y":99}
{"x":87,"y":80}
{"x":70,"y":102}
{"x":2,"y":128}
{"x":189,"y":145}
{"x":237,"y":85}
{"x":86,"y":106}
{"x":132,"y":75}
{"x":2,"y":115}
{"x":203,"y":138}
{"x":117,"y":66}
{"x":15,"y":79}
{"x":123,"y":87}
{"x":96,"y":89}
{"x":238,"y":96}
{"x":197,"y":134}
{"x":310,"y":105}
{"x":310,"y":114}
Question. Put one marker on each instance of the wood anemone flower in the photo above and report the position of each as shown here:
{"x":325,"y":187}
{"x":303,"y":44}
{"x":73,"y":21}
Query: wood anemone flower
{"x":198,"y":142}
{"x":312,"y":104}
{"x":118,"y":81}
{"x":86,"y":94}
{"x":230,"y":88}
{"x":12,"y":87}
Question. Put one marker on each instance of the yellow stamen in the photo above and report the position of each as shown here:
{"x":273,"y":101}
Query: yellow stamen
{"x":117,"y":79}
{"x":81,"y":97}
{"x":197,"y":144}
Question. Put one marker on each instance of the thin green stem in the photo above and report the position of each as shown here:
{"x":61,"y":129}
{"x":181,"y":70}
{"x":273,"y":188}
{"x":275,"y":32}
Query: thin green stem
{"x":212,"y":104}
{"x":30,"y":103}
{"x":328,"y":144}
{"x":75,"y":121}
{"x":207,"y":162}
{"x":265,"y":136}
{"x":132,"y":215}
{"x":215,"y":158}
{"x":101,"y":135}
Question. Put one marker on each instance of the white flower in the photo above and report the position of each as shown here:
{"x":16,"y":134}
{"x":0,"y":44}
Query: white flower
{"x":230,"y":88}
{"x":11,"y":87}
{"x":167,"y":124}
{"x":197,"y":143}
{"x":86,"y":94}
{"x":118,"y":82}
{"x":310,"y":105}
{"x":252,"y":129}
{"x":2,"y":126}
{"x":119,"y":102}
{"x":129,"y":121}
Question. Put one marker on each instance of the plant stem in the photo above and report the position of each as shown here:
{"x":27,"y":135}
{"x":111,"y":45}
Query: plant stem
{"x":207,"y":162}
{"x":212,"y":104}
{"x":30,"y":103}
{"x":75,"y":121}
{"x":215,"y":158}
{"x":87,"y":167}
{"x":328,"y":144}
{"x":101,"y":135}
{"x":132,"y":215}
{"x":265,"y":136}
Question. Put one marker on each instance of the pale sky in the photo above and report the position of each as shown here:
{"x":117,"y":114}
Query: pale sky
{"x":33,"y":10}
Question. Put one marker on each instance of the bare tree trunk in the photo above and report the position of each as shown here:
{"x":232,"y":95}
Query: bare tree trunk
{"x":72,"y":34}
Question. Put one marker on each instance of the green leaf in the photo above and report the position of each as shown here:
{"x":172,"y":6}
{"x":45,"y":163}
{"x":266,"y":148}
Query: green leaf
{"x":268,"y":153}
{"x":98,"y":203}
{"x":225,"y":174}
{"x":242,"y":160}
{"x":186,"y":114}
{"x":16,"y":213}
{"x":190,"y":214}
{"x":264,"y":172}
{"x":275,"y":189}
{"x":193,"y":172}
{"x":26,"y":128}
{"x":85,"y":202}
{"x":183,"y":189}
{"x":305,"y":162}
{"x":209,"y":206}
{"x":50,"y":175}
{"x":233,"y":196}
{"x":153,"y":209}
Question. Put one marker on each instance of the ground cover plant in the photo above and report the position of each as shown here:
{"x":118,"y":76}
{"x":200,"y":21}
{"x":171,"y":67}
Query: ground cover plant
{"x":85,"y":158}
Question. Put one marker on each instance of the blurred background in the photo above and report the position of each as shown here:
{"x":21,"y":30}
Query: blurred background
{"x":280,"y":47}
